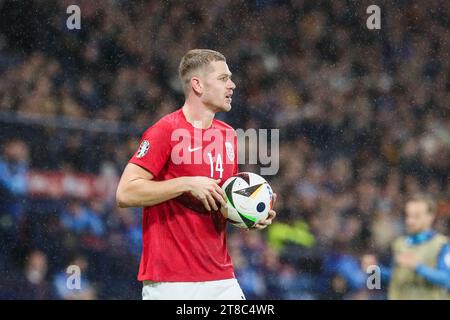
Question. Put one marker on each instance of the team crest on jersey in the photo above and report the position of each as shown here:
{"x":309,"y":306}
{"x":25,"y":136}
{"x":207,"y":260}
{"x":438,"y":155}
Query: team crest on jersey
{"x":230,"y":150}
{"x":143,"y":149}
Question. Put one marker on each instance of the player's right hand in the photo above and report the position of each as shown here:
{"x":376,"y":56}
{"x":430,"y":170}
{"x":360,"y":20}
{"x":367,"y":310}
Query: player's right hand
{"x":207,"y":190}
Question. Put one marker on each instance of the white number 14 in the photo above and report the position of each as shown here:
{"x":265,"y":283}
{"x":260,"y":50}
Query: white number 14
{"x":219,"y":166}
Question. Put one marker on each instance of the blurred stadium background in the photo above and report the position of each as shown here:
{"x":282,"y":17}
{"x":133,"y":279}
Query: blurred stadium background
{"x":363,"y":115}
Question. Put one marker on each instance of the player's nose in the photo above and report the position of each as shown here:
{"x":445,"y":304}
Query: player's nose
{"x":231,"y":85}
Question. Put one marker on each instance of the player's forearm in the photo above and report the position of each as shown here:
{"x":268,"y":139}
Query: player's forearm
{"x":144,"y":193}
{"x":434,"y":276}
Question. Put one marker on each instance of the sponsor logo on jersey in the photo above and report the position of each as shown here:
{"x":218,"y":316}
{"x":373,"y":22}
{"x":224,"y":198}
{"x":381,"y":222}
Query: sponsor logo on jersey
{"x":193,"y":149}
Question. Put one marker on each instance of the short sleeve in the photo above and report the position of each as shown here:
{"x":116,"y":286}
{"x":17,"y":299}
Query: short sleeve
{"x":154,"y":148}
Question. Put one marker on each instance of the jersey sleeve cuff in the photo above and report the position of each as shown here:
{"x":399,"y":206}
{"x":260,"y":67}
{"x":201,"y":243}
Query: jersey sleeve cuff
{"x":144,"y":166}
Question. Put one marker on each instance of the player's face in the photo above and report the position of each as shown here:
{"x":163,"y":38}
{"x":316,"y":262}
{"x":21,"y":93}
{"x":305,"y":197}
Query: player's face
{"x":218,"y":87}
{"x":417,"y":217}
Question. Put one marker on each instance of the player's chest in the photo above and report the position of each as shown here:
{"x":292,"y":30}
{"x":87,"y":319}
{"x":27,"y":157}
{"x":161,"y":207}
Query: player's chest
{"x":210,"y":156}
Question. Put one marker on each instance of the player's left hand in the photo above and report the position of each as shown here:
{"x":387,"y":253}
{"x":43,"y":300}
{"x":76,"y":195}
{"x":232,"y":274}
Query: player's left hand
{"x":268,"y":221}
{"x":407,"y":260}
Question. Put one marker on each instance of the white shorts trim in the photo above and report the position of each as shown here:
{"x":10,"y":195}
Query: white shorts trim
{"x":227,"y":289}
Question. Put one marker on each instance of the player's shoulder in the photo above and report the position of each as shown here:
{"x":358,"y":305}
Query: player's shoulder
{"x":166,"y":123}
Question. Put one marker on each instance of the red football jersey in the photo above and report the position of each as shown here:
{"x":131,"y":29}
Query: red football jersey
{"x":181,"y":240}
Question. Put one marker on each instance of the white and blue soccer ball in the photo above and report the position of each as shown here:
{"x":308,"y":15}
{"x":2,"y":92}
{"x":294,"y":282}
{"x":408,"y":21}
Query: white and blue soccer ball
{"x":249,"y":199}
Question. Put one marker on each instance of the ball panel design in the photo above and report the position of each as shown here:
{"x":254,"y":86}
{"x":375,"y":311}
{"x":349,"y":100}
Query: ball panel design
{"x":249,"y":199}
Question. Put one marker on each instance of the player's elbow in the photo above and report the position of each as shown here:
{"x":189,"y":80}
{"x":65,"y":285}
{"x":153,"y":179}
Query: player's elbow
{"x":122,"y":200}
{"x":122,"y":204}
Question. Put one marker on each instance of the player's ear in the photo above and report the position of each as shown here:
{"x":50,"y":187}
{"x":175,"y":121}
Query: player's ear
{"x":197,"y":85}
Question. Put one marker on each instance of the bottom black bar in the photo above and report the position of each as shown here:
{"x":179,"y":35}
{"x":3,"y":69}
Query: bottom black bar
{"x":223,"y":309}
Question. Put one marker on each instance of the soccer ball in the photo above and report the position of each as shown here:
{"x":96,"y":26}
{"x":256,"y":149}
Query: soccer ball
{"x":249,"y":199}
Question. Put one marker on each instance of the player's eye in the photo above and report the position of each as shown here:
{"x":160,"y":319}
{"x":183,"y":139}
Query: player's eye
{"x":224,"y":78}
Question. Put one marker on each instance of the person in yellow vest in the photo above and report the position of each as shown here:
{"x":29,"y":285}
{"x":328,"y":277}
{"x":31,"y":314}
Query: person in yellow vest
{"x":421,"y":259}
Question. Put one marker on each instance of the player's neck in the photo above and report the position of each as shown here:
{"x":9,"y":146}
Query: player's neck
{"x":198,"y":116}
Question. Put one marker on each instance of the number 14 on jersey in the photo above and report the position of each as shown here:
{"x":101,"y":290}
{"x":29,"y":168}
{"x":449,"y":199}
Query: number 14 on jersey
{"x":218,"y":167}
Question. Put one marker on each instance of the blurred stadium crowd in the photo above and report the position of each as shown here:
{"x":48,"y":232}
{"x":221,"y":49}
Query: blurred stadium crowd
{"x":363,"y":115}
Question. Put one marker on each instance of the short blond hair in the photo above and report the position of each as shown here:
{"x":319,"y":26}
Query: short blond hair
{"x":195,"y":60}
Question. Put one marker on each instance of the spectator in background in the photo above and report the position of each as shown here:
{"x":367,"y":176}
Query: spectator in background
{"x":13,"y":178}
{"x":345,"y":277}
{"x":250,"y":279}
{"x":132,"y":230}
{"x":33,"y":283}
{"x":81,"y":220}
{"x":421,"y":259}
{"x":270,"y":268}
{"x":85,"y":291}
